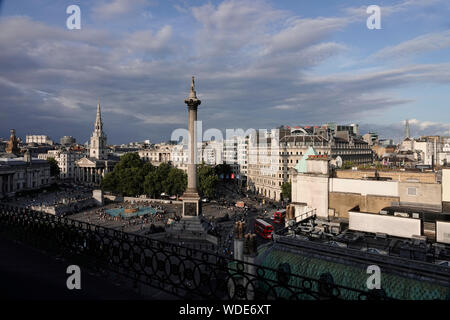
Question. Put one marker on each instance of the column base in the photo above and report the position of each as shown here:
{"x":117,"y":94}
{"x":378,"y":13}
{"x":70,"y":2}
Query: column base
{"x":191,"y":204}
{"x":191,"y":228}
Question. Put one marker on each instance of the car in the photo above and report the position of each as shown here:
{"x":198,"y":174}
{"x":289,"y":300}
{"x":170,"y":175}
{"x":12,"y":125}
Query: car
{"x":205,"y":200}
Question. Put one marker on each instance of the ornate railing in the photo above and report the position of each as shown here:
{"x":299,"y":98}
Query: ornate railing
{"x":181,"y":271}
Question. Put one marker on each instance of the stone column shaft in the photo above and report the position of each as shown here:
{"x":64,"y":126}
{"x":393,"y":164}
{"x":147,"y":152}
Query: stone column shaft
{"x":192,"y":166}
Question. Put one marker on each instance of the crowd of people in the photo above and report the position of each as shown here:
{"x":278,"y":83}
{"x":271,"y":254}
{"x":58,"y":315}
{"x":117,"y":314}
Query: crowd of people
{"x":156,"y":205}
{"x":150,"y":222}
{"x":131,"y":220}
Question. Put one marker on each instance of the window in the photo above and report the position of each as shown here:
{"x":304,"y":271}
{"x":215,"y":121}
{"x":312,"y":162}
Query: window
{"x":412,"y":191}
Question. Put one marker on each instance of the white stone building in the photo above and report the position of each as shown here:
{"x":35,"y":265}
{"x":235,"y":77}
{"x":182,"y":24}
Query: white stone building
{"x":269,"y":162}
{"x":66,"y":161}
{"x":235,"y":153}
{"x":157,"y":154}
{"x":22,"y":174}
{"x":91,"y":170}
{"x":38,"y":139}
{"x":428,"y":150}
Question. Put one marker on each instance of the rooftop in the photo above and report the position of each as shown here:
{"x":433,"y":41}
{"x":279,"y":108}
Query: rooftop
{"x":350,"y":273}
{"x":358,"y":244}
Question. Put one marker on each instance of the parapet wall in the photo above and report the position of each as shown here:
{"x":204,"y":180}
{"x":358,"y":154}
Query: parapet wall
{"x":343,"y":202}
{"x":428,"y":177}
{"x":391,"y":225}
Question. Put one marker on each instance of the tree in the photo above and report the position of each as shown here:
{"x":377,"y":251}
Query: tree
{"x":286,"y":188}
{"x":151,"y":186}
{"x":129,"y":160}
{"x":131,"y":181}
{"x":110,"y":182}
{"x":160,"y":177}
{"x":167,"y":179}
{"x":132,"y":177}
{"x":128,"y":176}
{"x":54,"y":168}
{"x":208,"y":186}
{"x":176,"y":182}
{"x":207,"y":181}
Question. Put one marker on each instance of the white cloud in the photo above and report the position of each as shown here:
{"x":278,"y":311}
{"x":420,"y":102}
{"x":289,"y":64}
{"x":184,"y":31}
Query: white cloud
{"x":149,"y":118}
{"x":284,"y":107}
{"x":422,"y":44}
{"x":254,"y":66}
{"x":388,"y":10}
{"x":148,"y":40}
{"x":302,"y":33}
{"x":233,"y":26}
{"x":430,"y":126}
{"x":115,"y":8}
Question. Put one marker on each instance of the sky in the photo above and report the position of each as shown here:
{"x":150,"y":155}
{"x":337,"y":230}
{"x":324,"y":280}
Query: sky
{"x":257,"y":64}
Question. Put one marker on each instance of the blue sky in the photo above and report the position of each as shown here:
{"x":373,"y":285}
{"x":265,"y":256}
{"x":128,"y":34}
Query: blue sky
{"x":258,"y":64}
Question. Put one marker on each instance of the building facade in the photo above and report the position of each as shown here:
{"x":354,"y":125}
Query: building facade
{"x":38,"y":139}
{"x":290,"y":148}
{"x":157,"y":154}
{"x":235,"y":154}
{"x":427,"y":150}
{"x":335,"y":194}
{"x":66,"y":160}
{"x":91,"y":170}
{"x":67,"y":141}
{"x":23,"y":174}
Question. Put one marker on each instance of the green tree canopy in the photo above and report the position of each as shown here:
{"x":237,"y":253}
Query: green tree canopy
{"x":167,"y":179}
{"x":54,"y":168}
{"x":286,"y":188}
{"x":176,"y":182}
{"x":128,"y":175}
{"x":133,"y":177}
{"x":207,"y":181}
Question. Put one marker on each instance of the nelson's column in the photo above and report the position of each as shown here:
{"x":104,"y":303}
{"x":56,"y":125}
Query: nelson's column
{"x":192,"y":226}
{"x":191,"y":199}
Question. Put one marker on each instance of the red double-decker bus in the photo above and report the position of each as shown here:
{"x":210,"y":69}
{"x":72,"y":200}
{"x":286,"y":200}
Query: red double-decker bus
{"x":263,"y":228}
{"x":279,"y":216}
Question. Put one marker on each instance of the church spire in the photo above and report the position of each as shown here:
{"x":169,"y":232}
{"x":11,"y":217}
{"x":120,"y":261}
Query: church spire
{"x":98,"y":120}
{"x":97,"y":147}
{"x":407,"y":129}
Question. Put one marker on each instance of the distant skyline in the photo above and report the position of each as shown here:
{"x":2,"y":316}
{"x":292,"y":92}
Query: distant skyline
{"x":258,"y":64}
